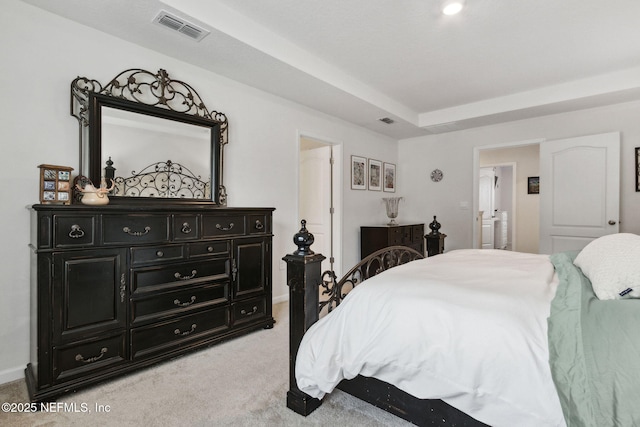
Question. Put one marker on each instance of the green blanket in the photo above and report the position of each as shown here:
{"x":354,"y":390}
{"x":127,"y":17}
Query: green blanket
{"x":594,"y":351}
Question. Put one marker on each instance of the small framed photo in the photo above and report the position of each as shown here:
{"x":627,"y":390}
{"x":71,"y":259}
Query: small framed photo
{"x":358,"y":173}
{"x":533,"y":185}
{"x":389,"y":177}
{"x":637,"y":168}
{"x":375,"y":175}
{"x":55,"y":184}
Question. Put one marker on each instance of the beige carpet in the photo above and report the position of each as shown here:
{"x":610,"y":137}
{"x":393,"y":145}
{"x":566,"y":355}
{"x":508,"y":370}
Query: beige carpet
{"x":242,"y":382}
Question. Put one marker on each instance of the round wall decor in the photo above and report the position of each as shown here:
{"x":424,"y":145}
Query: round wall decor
{"x":436,"y":175}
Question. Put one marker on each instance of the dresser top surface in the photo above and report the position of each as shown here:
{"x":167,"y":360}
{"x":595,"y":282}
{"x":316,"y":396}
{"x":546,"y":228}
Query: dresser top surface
{"x":392,"y":226}
{"x":151,"y":207}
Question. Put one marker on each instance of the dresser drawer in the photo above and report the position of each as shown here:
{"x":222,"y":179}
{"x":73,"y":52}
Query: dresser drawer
{"x":83,"y":358}
{"x":157,"y":254}
{"x":74,"y":231}
{"x":180,"y":274}
{"x":178,"y":302}
{"x":397,"y":235}
{"x":223,"y":225}
{"x":161,"y":337}
{"x":186,"y":227}
{"x":417,"y":233}
{"x":249,"y":310}
{"x":135,"y":229}
{"x":197,"y":250}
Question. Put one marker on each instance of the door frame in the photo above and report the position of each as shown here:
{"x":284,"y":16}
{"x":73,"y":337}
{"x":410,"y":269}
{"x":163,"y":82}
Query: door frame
{"x":476,"y":222}
{"x":337,"y":191}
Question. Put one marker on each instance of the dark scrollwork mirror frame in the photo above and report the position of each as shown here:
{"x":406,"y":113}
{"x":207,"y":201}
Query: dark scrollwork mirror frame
{"x":154,"y":94}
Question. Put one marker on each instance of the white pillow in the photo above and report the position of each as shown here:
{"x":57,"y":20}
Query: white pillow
{"x":612,"y":263}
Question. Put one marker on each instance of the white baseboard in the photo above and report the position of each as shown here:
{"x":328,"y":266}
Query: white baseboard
{"x":279,"y":299}
{"x":10,"y":375}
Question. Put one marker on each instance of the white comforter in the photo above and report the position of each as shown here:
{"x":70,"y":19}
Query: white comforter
{"x":468,"y":327}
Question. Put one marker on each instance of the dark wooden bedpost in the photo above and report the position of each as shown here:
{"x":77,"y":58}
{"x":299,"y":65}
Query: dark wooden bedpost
{"x":303,"y":278}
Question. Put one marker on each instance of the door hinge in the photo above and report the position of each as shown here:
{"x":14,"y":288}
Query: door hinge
{"x":332,"y":211}
{"x":332,"y":260}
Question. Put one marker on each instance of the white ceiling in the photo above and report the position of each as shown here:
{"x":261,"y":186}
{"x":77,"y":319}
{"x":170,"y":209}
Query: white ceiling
{"x":361,"y":60}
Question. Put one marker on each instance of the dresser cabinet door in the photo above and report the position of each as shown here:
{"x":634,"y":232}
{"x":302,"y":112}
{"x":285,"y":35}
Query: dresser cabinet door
{"x":89,"y":293}
{"x":249,"y":267}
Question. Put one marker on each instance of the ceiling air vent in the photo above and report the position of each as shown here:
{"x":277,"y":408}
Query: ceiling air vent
{"x":180,"y":25}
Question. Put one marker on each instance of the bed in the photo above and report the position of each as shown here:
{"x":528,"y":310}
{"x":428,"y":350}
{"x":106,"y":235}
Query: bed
{"x":467,"y":338}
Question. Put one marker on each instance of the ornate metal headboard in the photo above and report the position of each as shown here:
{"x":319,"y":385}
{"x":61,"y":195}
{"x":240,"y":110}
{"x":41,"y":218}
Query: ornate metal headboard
{"x":377,"y":262}
{"x":161,"y":179}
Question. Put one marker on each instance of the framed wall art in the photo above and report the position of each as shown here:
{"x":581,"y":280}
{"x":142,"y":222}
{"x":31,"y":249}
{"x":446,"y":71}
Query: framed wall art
{"x":389,"y":177}
{"x":637,"y":168}
{"x":358,"y":173}
{"x":533,"y":185}
{"x":55,"y":184}
{"x":375,"y":175}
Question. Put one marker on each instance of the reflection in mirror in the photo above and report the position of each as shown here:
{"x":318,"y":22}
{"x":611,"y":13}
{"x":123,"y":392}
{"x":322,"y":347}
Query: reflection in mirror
{"x":154,"y":157}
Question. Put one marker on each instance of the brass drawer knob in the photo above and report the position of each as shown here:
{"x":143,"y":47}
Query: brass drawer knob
{"x":181,"y":277}
{"x":184,"y":304}
{"x":131,"y":232}
{"x":76,"y":232}
{"x":185,"y":333}
{"x":249,"y":313}
{"x":80,"y":358}
{"x":223,"y":228}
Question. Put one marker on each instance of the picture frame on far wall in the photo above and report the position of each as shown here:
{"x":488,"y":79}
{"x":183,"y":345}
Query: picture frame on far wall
{"x":533,"y":185}
{"x":375,"y":175}
{"x":637,"y":168}
{"x":389,"y":178}
{"x":358,"y":173}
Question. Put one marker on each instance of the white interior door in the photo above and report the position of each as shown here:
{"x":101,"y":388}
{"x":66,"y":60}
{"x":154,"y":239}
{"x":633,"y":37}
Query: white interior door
{"x":315,"y":198}
{"x":486,"y":198}
{"x":579,"y":191}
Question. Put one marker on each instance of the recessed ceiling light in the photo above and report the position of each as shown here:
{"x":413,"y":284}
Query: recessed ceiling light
{"x":452,"y":7}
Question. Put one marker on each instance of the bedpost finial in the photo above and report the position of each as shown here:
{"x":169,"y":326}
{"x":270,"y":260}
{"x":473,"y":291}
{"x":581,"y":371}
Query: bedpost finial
{"x":303,"y":239}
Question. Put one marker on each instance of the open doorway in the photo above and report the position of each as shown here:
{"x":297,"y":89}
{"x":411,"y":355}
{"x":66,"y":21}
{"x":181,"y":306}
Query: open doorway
{"x":319,"y":197}
{"x":496,"y":197}
{"x":524,"y":221}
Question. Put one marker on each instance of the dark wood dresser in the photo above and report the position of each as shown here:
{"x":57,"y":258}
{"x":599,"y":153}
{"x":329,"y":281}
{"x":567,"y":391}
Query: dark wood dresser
{"x":120,"y":287}
{"x":373,"y":238}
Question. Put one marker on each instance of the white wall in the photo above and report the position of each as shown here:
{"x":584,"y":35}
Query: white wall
{"x":41,"y":53}
{"x":451,"y":199}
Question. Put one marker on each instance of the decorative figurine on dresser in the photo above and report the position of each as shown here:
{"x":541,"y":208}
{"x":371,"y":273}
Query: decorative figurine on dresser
{"x":435,"y":239}
{"x":162,"y":269}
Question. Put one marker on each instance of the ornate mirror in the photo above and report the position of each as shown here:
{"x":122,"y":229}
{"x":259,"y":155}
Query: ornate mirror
{"x":153,"y":136}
